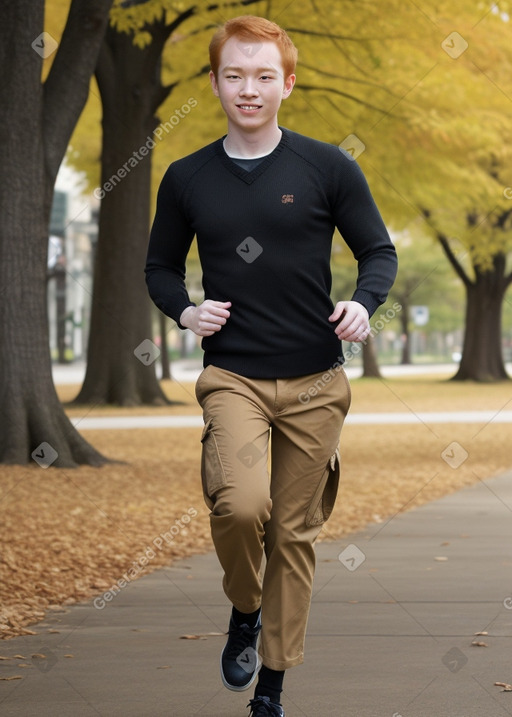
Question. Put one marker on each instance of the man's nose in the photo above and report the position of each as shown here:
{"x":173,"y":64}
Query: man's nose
{"x":249,"y":87}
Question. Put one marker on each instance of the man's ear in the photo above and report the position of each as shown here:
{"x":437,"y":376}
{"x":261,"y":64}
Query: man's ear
{"x":288,"y":86}
{"x":214,"y":85}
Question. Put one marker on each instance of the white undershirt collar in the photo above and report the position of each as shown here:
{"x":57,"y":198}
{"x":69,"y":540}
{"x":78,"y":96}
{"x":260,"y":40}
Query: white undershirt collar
{"x":235,"y":156}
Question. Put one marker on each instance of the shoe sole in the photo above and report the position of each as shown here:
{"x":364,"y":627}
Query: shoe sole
{"x":234,"y":688}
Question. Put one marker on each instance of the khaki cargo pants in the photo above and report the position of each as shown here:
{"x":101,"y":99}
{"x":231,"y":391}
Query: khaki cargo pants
{"x":292,"y":427}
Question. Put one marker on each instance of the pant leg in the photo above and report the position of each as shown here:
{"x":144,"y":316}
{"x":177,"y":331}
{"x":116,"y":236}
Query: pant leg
{"x":234,"y":468}
{"x":304,"y":476}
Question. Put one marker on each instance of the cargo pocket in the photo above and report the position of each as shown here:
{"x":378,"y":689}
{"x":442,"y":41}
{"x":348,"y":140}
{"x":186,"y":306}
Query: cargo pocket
{"x":325,"y":495}
{"x":213,"y":476}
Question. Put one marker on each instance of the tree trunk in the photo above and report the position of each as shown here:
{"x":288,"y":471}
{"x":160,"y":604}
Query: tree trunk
{"x":33,"y":138}
{"x":370,"y":365}
{"x":482,"y":352}
{"x":117,"y":370}
{"x":60,"y":300}
{"x":129,"y":79}
{"x":406,"y":334}
{"x":164,"y":348}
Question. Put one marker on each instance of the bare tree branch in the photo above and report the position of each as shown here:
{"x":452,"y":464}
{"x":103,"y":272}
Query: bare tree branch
{"x":235,"y":3}
{"x":332,"y":36}
{"x":344,"y":78}
{"x":459,"y":269}
{"x":347,"y":95}
{"x":180,"y":19}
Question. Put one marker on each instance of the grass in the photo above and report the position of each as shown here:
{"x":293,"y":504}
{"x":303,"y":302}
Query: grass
{"x":71,"y":534}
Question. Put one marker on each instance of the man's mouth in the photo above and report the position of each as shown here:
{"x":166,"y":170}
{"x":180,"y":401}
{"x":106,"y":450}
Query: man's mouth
{"x":248,"y":108}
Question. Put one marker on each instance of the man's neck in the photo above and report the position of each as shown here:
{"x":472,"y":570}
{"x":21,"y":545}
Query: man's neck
{"x":251,"y":145}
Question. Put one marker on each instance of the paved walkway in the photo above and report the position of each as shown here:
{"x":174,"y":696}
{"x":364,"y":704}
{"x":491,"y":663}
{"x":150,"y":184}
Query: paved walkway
{"x":425,"y":417}
{"x":393,"y":622}
{"x":188,"y":371}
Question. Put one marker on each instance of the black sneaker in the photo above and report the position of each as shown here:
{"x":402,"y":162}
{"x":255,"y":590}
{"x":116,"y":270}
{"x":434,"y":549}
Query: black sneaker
{"x":239,"y":661}
{"x":263,"y":707}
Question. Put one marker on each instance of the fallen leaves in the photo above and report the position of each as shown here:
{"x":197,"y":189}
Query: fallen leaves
{"x":505,"y":685}
{"x":479,"y":643}
{"x":70,"y":535}
{"x":202,"y":636}
{"x":56,"y":555}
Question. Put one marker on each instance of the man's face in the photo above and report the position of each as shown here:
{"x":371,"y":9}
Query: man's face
{"x":250,"y":83}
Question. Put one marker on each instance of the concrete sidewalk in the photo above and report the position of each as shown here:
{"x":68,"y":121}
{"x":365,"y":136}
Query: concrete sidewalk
{"x":188,"y":370}
{"x":394,"y":615}
{"x":368,"y":419}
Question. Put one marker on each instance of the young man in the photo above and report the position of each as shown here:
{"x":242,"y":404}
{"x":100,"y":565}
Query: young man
{"x":263,"y":202}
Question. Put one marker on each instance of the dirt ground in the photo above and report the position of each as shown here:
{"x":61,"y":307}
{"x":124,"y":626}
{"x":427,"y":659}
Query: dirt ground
{"x":69,"y":535}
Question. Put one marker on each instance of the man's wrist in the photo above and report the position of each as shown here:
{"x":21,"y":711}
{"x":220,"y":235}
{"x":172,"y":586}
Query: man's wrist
{"x":361,"y":304}
{"x":184,"y":314}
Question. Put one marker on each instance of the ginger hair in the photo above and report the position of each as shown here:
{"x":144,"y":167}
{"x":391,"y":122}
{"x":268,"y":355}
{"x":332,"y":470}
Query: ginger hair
{"x":253,"y":28}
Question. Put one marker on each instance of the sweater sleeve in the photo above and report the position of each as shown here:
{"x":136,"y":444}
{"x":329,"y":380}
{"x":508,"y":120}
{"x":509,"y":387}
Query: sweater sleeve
{"x":362,"y":228}
{"x":169,"y":243}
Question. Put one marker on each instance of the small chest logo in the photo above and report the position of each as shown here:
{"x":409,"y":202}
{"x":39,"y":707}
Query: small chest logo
{"x":287,"y":199}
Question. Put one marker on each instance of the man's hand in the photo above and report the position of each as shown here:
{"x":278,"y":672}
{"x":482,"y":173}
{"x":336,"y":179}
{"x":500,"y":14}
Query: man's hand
{"x":207,"y":318}
{"x":354,"y":324}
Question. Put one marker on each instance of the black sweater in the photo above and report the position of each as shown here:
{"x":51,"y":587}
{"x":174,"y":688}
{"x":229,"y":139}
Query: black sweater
{"x":264,"y":239}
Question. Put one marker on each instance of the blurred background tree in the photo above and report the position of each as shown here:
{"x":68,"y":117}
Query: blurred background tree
{"x":425,"y":281}
{"x":450,"y":162}
{"x":129,"y":77}
{"x":424,"y":108}
{"x":36,"y":122}
{"x":141,"y":66}
{"x":402,"y":83}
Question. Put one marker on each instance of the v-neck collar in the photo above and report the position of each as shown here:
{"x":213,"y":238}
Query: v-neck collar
{"x":250,"y":176}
